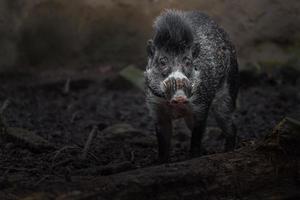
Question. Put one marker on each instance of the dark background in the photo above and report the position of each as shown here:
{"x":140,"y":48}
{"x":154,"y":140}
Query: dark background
{"x":56,"y":33}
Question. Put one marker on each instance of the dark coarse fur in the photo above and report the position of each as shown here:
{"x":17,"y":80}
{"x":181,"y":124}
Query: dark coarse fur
{"x":172,"y":33}
{"x":213,"y":75}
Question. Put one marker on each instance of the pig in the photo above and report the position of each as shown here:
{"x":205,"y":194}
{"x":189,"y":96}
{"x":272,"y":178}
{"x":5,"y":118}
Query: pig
{"x":192,"y":68}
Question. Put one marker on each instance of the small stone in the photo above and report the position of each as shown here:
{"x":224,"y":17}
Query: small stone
{"x":26,"y":139}
{"x":9,"y":146}
{"x":121,"y":131}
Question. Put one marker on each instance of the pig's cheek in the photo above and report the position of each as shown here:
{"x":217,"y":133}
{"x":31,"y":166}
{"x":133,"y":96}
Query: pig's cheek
{"x":152,"y":74}
{"x":188,"y":71}
{"x":148,"y":74}
{"x":195,"y":74}
{"x":165,"y":72}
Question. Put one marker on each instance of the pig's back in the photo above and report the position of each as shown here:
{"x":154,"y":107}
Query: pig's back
{"x":217,"y":55}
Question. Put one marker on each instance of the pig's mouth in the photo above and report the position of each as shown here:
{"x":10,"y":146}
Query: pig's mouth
{"x":157,"y":92}
{"x":177,"y":90}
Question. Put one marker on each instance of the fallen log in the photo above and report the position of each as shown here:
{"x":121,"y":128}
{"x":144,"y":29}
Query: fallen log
{"x":263,"y":170}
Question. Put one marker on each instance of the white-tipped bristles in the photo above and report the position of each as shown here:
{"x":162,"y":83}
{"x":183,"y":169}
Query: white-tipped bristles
{"x":177,"y":75}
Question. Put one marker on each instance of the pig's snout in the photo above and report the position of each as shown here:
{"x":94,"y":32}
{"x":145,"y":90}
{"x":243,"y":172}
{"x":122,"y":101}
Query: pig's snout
{"x":179,"y":100}
{"x":177,"y":90}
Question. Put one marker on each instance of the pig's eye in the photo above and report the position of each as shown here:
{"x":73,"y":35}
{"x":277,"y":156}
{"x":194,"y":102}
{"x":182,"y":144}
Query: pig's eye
{"x":163,"y":61}
{"x":187,"y":61}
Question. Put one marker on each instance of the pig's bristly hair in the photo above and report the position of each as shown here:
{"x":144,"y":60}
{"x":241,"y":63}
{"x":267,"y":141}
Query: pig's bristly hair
{"x":172,"y":31}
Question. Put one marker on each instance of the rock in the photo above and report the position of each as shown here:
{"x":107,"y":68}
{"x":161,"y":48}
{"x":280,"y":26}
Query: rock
{"x":131,"y":135}
{"x":127,"y":77}
{"x":121,"y":132}
{"x":133,"y":75}
{"x":117,"y":82}
{"x":9,"y":146}
{"x":26,"y":139}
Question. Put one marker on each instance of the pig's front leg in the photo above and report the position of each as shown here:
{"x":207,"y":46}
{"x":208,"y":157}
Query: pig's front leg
{"x":163,"y":127}
{"x":198,"y":129}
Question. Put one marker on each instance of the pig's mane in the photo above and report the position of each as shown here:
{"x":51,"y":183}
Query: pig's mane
{"x":172,"y":31}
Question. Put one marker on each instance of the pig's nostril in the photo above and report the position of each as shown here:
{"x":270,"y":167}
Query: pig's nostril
{"x":179,"y":100}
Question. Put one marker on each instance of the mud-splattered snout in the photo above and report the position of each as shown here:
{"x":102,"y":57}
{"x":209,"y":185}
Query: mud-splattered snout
{"x":177,"y":88}
{"x":179,"y":100}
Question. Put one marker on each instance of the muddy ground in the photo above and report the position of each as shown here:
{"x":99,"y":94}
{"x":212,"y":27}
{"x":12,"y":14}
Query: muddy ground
{"x":66,"y":118}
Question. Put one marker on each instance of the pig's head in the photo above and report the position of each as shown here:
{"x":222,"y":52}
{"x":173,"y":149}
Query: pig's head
{"x":171,"y":70}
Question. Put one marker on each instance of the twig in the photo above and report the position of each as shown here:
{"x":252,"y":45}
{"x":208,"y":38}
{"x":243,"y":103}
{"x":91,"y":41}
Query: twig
{"x":88,"y":143}
{"x":61,"y":150}
{"x":91,"y":155}
{"x":41,"y":180}
{"x":64,"y":162}
{"x":74,"y":116}
{"x":67,"y":86}
{"x":132,"y":156}
{"x":4,"y":106}
{"x":12,"y":169}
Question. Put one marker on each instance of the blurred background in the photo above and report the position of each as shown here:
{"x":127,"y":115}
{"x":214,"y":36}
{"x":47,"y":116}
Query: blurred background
{"x":84,"y":33}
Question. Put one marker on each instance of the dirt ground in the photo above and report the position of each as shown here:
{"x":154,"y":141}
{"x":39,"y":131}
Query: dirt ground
{"x":66,"y":118}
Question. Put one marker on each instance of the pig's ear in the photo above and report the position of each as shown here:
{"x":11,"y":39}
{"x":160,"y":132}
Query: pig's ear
{"x":195,"y":50}
{"x":150,"y":48}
